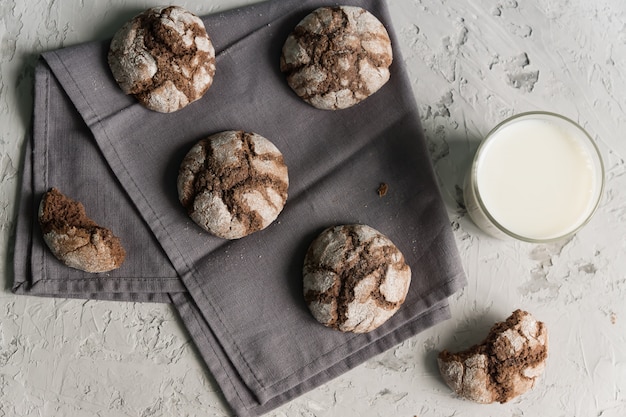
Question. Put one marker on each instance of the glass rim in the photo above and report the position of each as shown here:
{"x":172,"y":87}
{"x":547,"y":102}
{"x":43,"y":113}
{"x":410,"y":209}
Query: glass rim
{"x":595,"y":153}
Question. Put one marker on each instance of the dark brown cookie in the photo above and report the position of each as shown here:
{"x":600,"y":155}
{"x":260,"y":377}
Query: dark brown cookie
{"x":233,"y":183}
{"x":502,"y":367}
{"x":74,"y":238}
{"x":355,"y":278}
{"x":164,"y":58}
{"x":337,"y":56}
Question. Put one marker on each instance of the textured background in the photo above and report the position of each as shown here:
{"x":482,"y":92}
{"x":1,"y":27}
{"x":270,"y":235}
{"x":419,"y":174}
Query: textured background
{"x":472,"y":63}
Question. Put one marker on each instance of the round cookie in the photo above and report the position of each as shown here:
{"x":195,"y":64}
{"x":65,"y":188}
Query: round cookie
{"x":337,"y":56}
{"x":74,"y":238}
{"x":506,"y":364}
{"x":355,"y":278}
{"x":164,"y":58}
{"x":233,"y":183}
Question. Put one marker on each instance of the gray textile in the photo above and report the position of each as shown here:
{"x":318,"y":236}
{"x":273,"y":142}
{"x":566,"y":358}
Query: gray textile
{"x":240,"y":300}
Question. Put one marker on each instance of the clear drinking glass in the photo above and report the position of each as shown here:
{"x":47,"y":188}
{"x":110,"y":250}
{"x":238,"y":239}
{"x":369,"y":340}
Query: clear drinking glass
{"x":537,"y":177}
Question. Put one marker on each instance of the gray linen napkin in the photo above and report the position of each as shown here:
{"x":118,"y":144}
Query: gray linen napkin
{"x":62,"y":153}
{"x":241,"y":300}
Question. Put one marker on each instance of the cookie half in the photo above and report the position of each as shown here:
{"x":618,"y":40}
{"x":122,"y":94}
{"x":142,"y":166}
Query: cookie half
{"x":233,"y":183}
{"x":337,"y":56}
{"x":355,"y":278}
{"x":74,"y":238}
{"x":164,"y":57}
{"x":506,"y":364}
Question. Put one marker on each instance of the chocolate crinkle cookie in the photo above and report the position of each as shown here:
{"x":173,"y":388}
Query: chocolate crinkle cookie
{"x":505,"y":365}
{"x":355,"y":278}
{"x":164,"y":57}
{"x":337,"y":56}
{"x":74,"y":238}
{"x":233,"y":183}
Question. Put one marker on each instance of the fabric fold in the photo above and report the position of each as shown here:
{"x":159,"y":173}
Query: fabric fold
{"x":61,"y":152}
{"x":243,"y":401}
{"x":240,"y":300}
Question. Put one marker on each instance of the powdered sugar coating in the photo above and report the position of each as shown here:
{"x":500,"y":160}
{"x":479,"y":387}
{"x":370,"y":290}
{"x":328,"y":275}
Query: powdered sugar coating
{"x":354,"y":278}
{"x":164,"y":58}
{"x":233,"y":183}
{"x":75,"y":239}
{"x":504,"y":366}
{"x":337,"y":57}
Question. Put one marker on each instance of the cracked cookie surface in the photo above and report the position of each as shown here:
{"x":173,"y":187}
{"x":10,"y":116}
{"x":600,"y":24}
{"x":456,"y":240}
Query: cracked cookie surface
{"x":355,"y":278}
{"x":74,"y":238}
{"x":505,"y":365}
{"x":233,"y":183}
{"x":164,"y":57}
{"x":337,"y":56}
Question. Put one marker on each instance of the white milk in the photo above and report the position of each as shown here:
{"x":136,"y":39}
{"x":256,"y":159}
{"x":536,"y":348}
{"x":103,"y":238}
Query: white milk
{"x":538,"y":176}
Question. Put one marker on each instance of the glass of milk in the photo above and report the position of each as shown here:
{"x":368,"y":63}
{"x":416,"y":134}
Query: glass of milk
{"x":536,"y":177}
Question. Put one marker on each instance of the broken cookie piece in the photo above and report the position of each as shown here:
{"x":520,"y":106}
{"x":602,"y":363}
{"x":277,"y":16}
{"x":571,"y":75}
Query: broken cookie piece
{"x":74,"y":238}
{"x":506,"y":364}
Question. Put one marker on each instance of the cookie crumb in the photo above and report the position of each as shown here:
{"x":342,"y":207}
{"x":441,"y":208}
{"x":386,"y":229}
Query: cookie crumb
{"x":613,"y":318}
{"x":382,"y":189}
